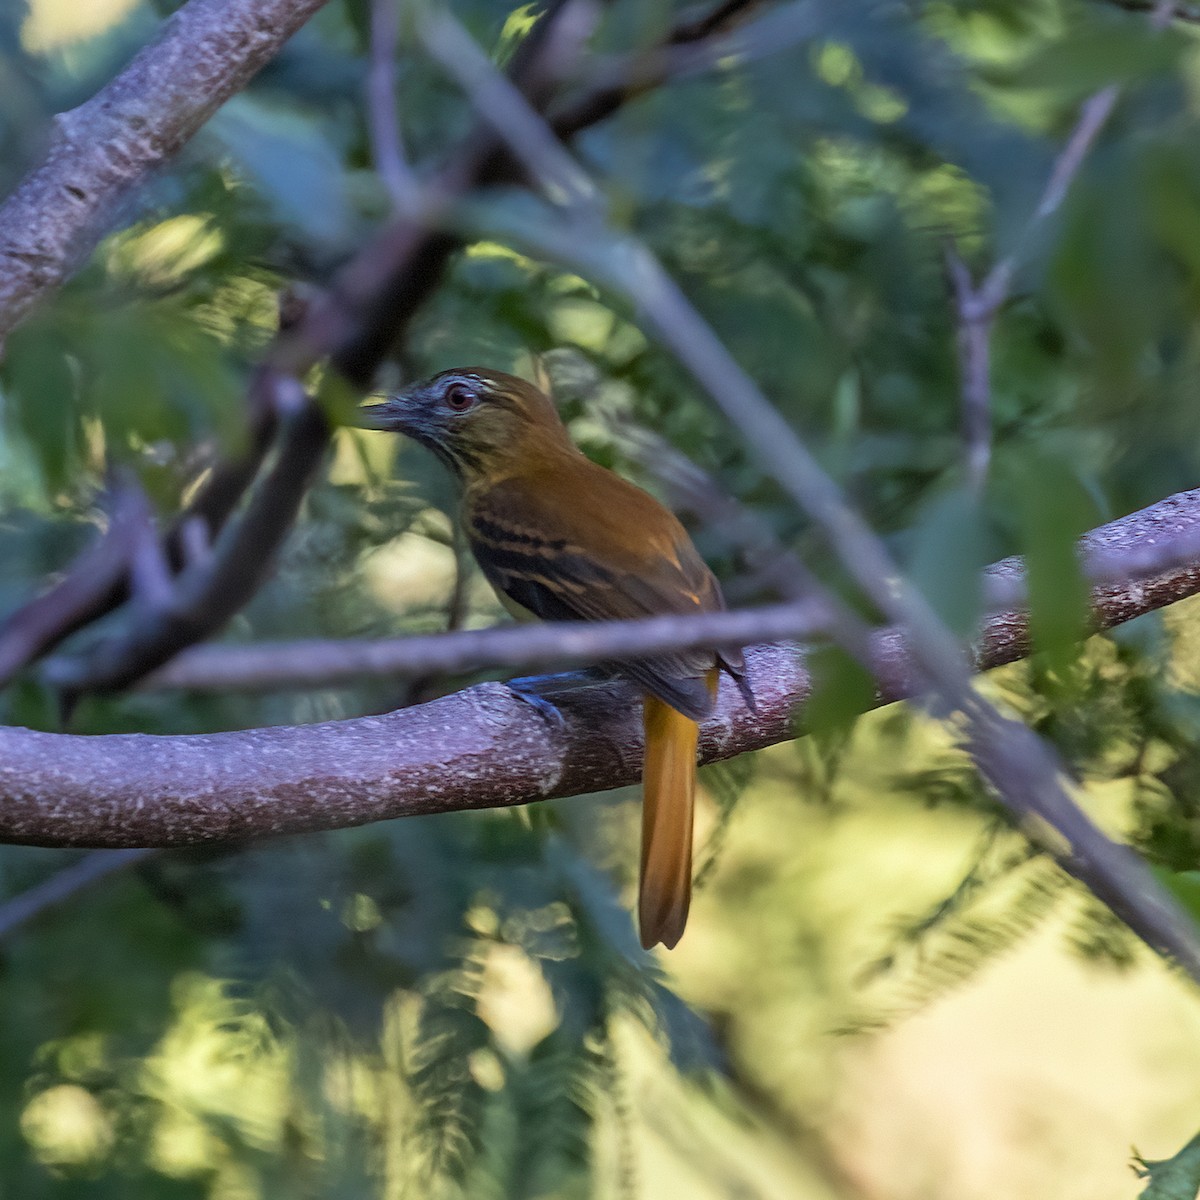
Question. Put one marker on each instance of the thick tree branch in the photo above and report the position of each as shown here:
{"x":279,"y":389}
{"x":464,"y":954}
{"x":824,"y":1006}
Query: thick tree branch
{"x":102,"y":151}
{"x":479,"y":748}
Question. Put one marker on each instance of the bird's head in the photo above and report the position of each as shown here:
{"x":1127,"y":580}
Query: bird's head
{"x":479,"y":422}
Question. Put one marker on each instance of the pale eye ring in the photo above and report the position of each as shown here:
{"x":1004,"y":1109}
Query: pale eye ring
{"x":459,"y":397}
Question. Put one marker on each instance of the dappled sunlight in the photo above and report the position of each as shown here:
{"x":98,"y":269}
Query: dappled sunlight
{"x":166,"y":253}
{"x":888,"y":988}
{"x":53,"y":24}
{"x":220,"y":1062}
{"x":67,"y":1127}
{"x":1035,"y":1080}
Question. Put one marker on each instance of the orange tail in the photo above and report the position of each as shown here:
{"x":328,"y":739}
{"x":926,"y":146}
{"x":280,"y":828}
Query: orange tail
{"x":669,"y":786}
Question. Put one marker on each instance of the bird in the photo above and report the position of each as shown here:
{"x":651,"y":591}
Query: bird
{"x":562,"y":538}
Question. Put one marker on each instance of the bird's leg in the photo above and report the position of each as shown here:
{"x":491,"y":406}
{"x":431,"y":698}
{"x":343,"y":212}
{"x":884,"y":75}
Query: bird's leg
{"x":538,"y":690}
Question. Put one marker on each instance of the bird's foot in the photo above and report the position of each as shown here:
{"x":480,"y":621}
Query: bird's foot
{"x":538,"y":690}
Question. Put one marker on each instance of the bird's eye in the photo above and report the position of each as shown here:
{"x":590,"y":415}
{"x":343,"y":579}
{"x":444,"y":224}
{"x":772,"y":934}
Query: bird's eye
{"x":459,"y":397}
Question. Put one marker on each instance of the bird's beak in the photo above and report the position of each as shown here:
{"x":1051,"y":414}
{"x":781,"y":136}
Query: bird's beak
{"x":397,"y":414}
{"x":374,"y":416}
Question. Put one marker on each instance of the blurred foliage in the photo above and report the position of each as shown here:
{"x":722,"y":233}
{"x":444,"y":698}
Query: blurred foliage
{"x":457,"y":1006}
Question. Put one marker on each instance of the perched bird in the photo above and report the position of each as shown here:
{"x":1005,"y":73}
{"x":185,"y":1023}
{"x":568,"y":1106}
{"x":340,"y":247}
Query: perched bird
{"x":564,"y":539}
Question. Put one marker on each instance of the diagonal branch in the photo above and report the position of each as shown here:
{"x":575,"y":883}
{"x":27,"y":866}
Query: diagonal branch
{"x":1021,"y":768}
{"x":102,"y":151}
{"x":207,"y":594}
{"x":98,"y":581}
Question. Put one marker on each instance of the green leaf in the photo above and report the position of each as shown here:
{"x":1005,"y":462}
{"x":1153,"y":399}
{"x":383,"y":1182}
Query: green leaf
{"x":842,"y":691}
{"x":1053,"y":510}
{"x":1118,"y":52}
{"x":953,"y":544}
{"x":41,"y":395}
{"x":291,"y":163}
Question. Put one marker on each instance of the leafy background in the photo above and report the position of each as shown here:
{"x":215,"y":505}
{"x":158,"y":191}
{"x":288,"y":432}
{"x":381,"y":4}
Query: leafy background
{"x":882,"y":992}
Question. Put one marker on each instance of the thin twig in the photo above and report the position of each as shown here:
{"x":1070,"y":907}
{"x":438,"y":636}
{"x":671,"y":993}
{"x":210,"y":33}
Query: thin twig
{"x":1093,"y":116}
{"x":387,"y":145}
{"x":64,"y":885}
{"x":976,"y":306}
{"x":325,"y":663}
{"x":1004,"y":635}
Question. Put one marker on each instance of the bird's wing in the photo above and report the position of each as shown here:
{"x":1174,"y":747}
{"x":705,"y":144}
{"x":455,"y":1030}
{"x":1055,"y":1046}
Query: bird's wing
{"x":597,"y":548}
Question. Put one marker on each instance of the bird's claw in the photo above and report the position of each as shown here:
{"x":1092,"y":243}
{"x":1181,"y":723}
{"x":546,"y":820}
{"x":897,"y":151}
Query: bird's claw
{"x":526,"y":688}
{"x":536,"y":689}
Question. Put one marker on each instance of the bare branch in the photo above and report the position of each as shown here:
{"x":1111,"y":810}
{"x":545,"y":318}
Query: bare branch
{"x":102,"y":151}
{"x":207,"y":594}
{"x":974,"y":357}
{"x":1171,"y":526}
{"x":101,"y":570}
{"x":324,"y":663}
